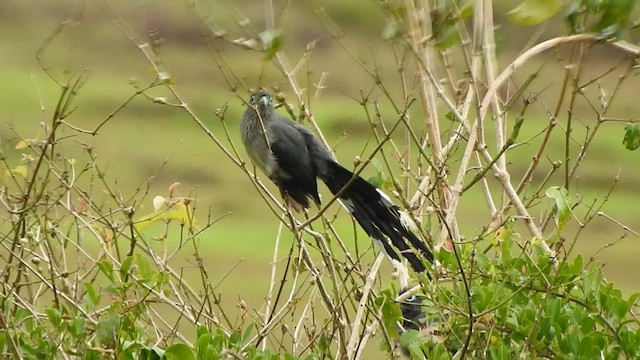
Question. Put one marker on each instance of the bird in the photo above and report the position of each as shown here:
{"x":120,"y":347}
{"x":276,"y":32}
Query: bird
{"x":294,"y":159}
{"x":412,"y":314}
{"x":413,"y":319}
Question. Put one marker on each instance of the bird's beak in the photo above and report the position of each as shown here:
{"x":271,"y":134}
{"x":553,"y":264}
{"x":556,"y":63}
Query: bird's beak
{"x":264,"y":101}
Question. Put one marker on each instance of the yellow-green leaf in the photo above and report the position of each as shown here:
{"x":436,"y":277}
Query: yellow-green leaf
{"x":532,"y":12}
{"x":20,"y":170}
{"x":179,"y":351}
{"x":501,"y":234}
{"x":562,"y":209}
{"x":25,"y":143}
{"x":172,"y":210}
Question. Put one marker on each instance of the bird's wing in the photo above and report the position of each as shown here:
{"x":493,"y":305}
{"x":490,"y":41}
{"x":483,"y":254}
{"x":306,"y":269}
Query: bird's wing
{"x":295,"y":172}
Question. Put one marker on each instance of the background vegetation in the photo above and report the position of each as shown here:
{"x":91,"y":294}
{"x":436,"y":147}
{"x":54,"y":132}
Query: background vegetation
{"x":141,"y":150}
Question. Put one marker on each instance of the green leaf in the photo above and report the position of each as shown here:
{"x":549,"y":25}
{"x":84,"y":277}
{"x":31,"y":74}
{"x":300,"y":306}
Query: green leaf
{"x":466,"y":9}
{"x":203,"y":348}
{"x":376,"y":181}
{"x":3,"y":341}
{"x":145,"y":270}
{"x":447,"y":38}
{"x":218,"y":342}
{"x":324,"y":346}
{"x":234,"y":339}
{"x":168,"y":211}
{"x":500,"y":351}
{"x":107,"y":330}
{"x":203,"y":341}
{"x":562,"y":209}
{"x":54,"y":316}
{"x":247,"y":333}
{"x":380,"y":180}
{"x":444,"y":23}
{"x":179,"y":352}
{"x":451,"y":116}
{"x":202,"y":330}
{"x":576,"y":268}
{"x":614,"y":17}
{"x":148,"y":354}
{"x":410,"y":342}
{"x":378,"y":165}
{"x":20,"y":170}
{"x":440,"y":352}
{"x":77,"y":327}
{"x":25,"y":143}
{"x":532,"y":12}
{"x":272,"y":42}
{"x":126,"y":265}
{"x":587,"y":324}
{"x":390,"y":312}
{"x":572,"y":17}
{"x":106,"y":268}
{"x":91,"y":294}
{"x":631,"y":138}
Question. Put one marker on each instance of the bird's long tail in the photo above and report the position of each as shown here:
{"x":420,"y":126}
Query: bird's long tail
{"x":377,"y":215}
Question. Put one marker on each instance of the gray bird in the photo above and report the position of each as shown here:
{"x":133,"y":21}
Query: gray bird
{"x":413,"y":318}
{"x":412,"y":314}
{"x":293,"y":159}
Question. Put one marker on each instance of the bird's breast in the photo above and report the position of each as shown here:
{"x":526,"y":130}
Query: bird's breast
{"x":256,"y":142}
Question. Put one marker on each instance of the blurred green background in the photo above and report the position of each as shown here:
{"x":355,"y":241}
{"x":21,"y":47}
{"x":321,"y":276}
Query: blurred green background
{"x":135,"y":143}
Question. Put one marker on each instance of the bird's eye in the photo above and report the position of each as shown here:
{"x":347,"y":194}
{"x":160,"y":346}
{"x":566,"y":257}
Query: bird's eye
{"x":412,"y":298}
{"x":252,"y":99}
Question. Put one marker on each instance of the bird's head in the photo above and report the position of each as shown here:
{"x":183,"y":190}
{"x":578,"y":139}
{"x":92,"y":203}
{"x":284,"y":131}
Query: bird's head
{"x":412,"y":312}
{"x":261,"y":98}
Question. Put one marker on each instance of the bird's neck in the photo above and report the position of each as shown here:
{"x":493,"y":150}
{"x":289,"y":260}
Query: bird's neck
{"x":264,"y":113}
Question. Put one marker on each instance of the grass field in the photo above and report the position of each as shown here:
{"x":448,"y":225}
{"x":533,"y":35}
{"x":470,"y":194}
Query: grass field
{"x":134,"y":144}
